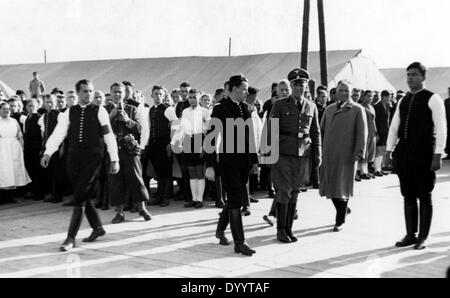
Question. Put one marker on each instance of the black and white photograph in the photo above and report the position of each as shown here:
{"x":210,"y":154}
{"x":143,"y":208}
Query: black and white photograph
{"x":224,"y":146}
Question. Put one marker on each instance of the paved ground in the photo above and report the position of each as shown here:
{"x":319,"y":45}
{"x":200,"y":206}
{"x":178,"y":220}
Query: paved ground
{"x":181,"y":243}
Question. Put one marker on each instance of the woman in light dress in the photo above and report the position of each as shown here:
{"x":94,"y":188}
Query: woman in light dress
{"x":12,"y":167}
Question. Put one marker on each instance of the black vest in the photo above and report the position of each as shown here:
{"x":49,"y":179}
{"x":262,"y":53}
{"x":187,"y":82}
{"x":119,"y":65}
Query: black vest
{"x":416,"y":131}
{"x":32,"y":135}
{"x":84,"y":128}
{"x":160,"y":125}
{"x":50,"y":122}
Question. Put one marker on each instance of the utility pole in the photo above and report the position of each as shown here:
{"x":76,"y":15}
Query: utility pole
{"x":229,"y":47}
{"x":323,"y":46}
{"x":305,"y":35}
{"x":45,"y":56}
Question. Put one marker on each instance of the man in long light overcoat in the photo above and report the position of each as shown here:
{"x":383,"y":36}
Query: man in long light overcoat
{"x":344,"y":132}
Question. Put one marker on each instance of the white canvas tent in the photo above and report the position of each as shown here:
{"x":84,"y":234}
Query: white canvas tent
{"x":204,"y":73}
{"x":6,"y":90}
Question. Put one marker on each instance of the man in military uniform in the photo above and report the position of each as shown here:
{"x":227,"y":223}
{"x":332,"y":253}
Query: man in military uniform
{"x":299,"y":139}
{"x":124,"y":123}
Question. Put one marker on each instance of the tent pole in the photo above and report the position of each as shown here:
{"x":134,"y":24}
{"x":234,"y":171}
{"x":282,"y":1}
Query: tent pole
{"x":305,"y":35}
{"x":323,"y":47}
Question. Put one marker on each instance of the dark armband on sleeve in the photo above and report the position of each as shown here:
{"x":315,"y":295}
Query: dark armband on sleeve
{"x":105,"y":129}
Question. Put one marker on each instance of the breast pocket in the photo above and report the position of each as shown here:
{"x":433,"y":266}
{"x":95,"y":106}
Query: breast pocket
{"x":306,"y":120}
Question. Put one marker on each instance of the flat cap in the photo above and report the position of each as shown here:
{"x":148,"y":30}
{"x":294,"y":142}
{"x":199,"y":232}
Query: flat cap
{"x":298,"y":74}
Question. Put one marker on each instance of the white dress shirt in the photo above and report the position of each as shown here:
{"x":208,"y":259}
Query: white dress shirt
{"x":437,"y":107}
{"x":62,"y":128}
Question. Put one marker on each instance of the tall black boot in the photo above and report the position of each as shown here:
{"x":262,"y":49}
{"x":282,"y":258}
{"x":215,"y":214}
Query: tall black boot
{"x":282,"y":210}
{"x":411,"y":221}
{"x":290,"y":220}
{"x":426,"y":215}
{"x":94,"y":221}
{"x":237,"y":230}
{"x":74,"y":226}
{"x":222,"y":224}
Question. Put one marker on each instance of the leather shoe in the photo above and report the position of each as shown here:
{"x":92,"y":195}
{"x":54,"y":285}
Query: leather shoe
{"x":145,"y":214}
{"x":378,"y":174}
{"x":253,"y":200}
{"x":190,"y":204}
{"x":221,"y":236}
{"x":198,"y":205}
{"x":50,"y":199}
{"x":220,"y":204}
{"x":69,"y":203}
{"x":155,"y":202}
{"x":282,"y":236}
{"x":244,"y":249}
{"x":268,"y":220}
{"x":68,"y":244}
{"x":164,"y":203}
{"x":338,"y":228}
{"x":407,"y":241}
{"x":94,"y":235}
{"x":120,"y":217}
{"x":421,"y":244}
{"x":58,"y":199}
{"x":246,"y":211}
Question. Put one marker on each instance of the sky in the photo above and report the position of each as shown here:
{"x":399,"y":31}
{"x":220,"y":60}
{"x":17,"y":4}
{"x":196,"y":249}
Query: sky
{"x":393,"y":32}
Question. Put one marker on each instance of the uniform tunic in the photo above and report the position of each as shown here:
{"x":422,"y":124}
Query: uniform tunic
{"x":299,"y":142}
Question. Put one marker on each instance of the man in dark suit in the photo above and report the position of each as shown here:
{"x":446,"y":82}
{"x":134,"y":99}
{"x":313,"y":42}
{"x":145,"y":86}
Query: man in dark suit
{"x":234,"y":163}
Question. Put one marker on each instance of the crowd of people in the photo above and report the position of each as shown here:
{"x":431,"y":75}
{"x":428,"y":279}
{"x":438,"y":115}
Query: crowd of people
{"x":89,"y":145}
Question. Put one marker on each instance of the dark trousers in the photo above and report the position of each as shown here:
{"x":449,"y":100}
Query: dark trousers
{"x":57,"y":175}
{"x":266,"y":178}
{"x":103,"y":184}
{"x":413,"y":213}
{"x":185,"y":186}
{"x":157,"y":151}
{"x":144,"y":162}
{"x":83,"y":170}
{"x":32,"y":161}
{"x":234,"y":181}
{"x":128,"y":180}
{"x":417,"y":182}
